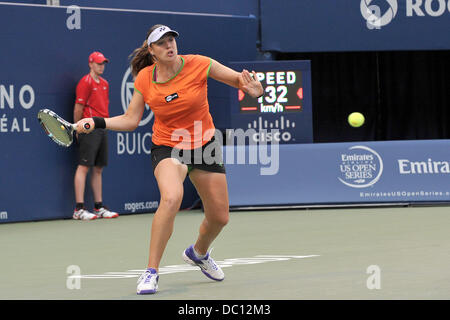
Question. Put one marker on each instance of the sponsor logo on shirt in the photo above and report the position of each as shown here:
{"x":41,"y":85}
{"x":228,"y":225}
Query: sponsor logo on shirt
{"x":171,"y":97}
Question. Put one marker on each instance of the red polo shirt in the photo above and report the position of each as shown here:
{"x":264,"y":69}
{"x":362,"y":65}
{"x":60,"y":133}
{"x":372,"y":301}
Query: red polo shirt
{"x":94,"y":96}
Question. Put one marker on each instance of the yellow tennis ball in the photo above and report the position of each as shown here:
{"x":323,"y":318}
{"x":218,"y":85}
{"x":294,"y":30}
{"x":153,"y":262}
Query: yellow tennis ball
{"x":62,"y":127}
{"x":356,"y":119}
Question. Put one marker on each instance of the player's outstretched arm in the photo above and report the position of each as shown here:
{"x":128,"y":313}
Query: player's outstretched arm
{"x":128,"y":121}
{"x":246,"y":81}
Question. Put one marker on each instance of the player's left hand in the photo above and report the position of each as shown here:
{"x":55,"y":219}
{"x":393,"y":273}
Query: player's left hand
{"x":250,"y":84}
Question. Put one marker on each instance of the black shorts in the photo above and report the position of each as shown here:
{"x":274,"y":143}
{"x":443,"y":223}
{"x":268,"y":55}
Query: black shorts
{"x":208,"y":158}
{"x":93,"y":148}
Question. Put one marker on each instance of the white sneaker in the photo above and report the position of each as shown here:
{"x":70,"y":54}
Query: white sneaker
{"x":148,"y":282}
{"x":207,"y":265}
{"x":83,"y":214}
{"x":105,"y":213}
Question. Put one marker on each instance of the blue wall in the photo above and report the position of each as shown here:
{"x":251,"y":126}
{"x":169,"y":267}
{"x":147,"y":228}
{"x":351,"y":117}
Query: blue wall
{"x":340,"y":173}
{"x":320,"y":25}
{"x":330,"y":25}
{"x":42,"y":58}
{"x":41,"y":61}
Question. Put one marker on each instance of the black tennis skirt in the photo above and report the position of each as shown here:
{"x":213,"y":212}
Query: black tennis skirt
{"x":208,"y":158}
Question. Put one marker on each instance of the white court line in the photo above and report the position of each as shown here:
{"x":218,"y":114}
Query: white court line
{"x":134,"y":273}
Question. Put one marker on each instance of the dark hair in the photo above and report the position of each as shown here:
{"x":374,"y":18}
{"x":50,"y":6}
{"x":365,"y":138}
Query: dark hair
{"x":141,"y":58}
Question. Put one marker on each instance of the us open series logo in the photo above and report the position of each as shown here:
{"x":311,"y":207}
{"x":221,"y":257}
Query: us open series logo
{"x":360,"y":167}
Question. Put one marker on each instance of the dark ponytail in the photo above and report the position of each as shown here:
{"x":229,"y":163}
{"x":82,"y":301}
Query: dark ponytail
{"x":141,"y":58}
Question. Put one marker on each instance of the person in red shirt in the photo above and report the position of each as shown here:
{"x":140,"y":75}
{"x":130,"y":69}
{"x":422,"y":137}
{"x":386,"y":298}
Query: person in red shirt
{"x":175,"y":88}
{"x":92,"y":100}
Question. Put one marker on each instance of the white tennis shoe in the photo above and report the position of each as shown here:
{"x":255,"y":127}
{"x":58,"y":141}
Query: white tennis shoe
{"x":148,"y":282}
{"x":207,"y":264}
{"x":105,"y":213}
{"x":83,"y":214}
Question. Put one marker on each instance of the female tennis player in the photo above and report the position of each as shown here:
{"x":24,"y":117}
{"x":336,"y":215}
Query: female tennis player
{"x":175,"y":88}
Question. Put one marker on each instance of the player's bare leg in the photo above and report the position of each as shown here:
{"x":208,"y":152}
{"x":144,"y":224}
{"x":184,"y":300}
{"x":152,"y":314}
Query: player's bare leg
{"x":170,"y":176}
{"x":212,"y":188}
{"x":213,"y":191}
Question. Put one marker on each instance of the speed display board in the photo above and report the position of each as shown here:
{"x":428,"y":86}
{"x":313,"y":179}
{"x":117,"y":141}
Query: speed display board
{"x":283,"y":93}
{"x":284,"y":112}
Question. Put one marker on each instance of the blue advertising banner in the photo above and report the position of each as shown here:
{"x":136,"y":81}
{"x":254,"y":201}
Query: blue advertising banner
{"x":338,"y":173}
{"x":354,"y":25}
{"x":284,"y":112}
{"x":44,"y":53}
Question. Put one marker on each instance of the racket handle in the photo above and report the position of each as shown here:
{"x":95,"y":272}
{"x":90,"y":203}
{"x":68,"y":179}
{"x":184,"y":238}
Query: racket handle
{"x":87,"y":126}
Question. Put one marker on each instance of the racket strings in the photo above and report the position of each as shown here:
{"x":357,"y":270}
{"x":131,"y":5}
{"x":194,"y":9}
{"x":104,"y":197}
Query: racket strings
{"x":56,"y":130}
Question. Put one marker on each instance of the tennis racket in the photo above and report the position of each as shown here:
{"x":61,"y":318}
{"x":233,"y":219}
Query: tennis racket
{"x":58,"y":129}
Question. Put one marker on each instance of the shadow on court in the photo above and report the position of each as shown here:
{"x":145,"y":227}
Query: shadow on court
{"x":370,"y":253}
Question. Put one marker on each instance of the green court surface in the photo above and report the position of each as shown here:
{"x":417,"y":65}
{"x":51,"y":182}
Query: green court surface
{"x":346,"y":253}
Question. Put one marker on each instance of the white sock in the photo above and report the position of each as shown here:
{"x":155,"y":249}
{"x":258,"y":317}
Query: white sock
{"x":198,"y":255}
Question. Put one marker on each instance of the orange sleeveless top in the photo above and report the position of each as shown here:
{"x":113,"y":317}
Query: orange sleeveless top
{"x":180,"y":105}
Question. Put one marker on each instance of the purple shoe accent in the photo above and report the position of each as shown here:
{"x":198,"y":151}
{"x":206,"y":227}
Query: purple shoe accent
{"x":189,"y":252}
{"x":147,"y":292}
{"x":152,"y":271}
{"x":210,"y":276}
{"x":191,"y":255}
